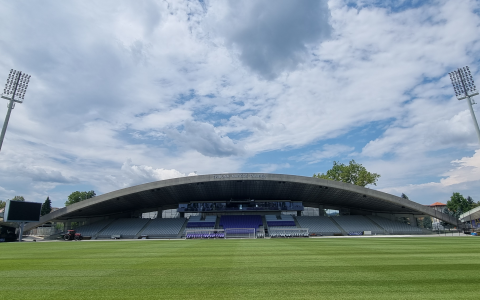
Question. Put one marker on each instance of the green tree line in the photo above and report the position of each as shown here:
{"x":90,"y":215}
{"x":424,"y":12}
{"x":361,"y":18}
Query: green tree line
{"x":458,"y":204}
{"x":78,"y":196}
{"x":16,"y":198}
{"x":353,"y":173}
{"x":74,"y":197}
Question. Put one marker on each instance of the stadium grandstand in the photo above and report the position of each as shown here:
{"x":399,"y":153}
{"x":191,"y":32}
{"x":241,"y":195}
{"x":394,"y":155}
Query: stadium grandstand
{"x":242,"y":205}
{"x":471,"y":220}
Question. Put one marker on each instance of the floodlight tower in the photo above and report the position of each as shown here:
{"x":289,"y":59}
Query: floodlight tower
{"x":15,"y":88}
{"x":465,"y":88}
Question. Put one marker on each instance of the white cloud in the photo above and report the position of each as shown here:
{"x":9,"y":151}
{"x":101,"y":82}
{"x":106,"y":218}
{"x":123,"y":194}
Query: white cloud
{"x":467,"y":170}
{"x":205,"y":139}
{"x":176,"y":84}
{"x":162,"y":119}
{"x":271,"y":168}
{"x":39,"y":174}
{"x":4,"y":192}
{"x":434,"y":130}
{"x":464,"y":177}
{"x":328,"y":151}
{"x":270,"y":38}
{"x":137,"y":174}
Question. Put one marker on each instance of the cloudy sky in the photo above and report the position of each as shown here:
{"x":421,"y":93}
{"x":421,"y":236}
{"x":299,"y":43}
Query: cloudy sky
{"x":129,"y":92}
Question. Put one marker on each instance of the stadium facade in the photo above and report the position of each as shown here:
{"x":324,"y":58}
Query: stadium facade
{"x":471,"y":219}
{"x":241,"y":194}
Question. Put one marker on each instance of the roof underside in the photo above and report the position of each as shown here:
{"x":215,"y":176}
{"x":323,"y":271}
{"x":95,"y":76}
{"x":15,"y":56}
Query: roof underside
{"x":170,"y":197}
{"x":312,"y":192}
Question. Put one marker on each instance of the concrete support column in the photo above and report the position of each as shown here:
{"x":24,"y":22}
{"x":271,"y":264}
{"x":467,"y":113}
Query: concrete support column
{"x":159,"y":213}
{"x":413,"y":220}
{"x":321,"y":211}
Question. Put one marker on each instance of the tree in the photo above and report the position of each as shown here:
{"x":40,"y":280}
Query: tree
{"x":79,"y":196}
{"x":427,"y":222}
{"x":458,"y":212}
{"x":16,"y":198}
{"x":458,"y":203}
{"x":46,"y":207}
{"x":476,"y":204}
{"x":353,"y":173}
{"x":447,"y":212}
{"x":404,"y":196}
{"x":472,"y":203}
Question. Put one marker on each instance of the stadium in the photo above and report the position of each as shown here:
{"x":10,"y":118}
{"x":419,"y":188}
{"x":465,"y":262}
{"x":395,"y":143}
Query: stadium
{"x":125,"y":93}
{"x":243,"y":205}
{"x":243,"y":236}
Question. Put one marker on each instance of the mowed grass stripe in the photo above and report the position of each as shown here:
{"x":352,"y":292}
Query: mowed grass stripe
{"x":360,"y":268}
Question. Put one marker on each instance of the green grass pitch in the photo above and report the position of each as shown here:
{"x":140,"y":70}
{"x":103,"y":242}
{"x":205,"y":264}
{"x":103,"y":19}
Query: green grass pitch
{"x":343,"y":268}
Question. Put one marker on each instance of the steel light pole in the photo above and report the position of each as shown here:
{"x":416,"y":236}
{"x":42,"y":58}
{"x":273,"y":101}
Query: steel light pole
{"x":465,"y":88}
{"x":14,"y":91}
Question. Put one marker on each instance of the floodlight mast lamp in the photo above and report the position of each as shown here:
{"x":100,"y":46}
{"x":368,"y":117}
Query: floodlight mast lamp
{"x":465,"y":88}
{"x":15,"y":88}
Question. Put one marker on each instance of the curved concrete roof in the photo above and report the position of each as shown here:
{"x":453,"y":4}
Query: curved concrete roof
{"x":472,"y":214}
{"x":313,"y":192}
